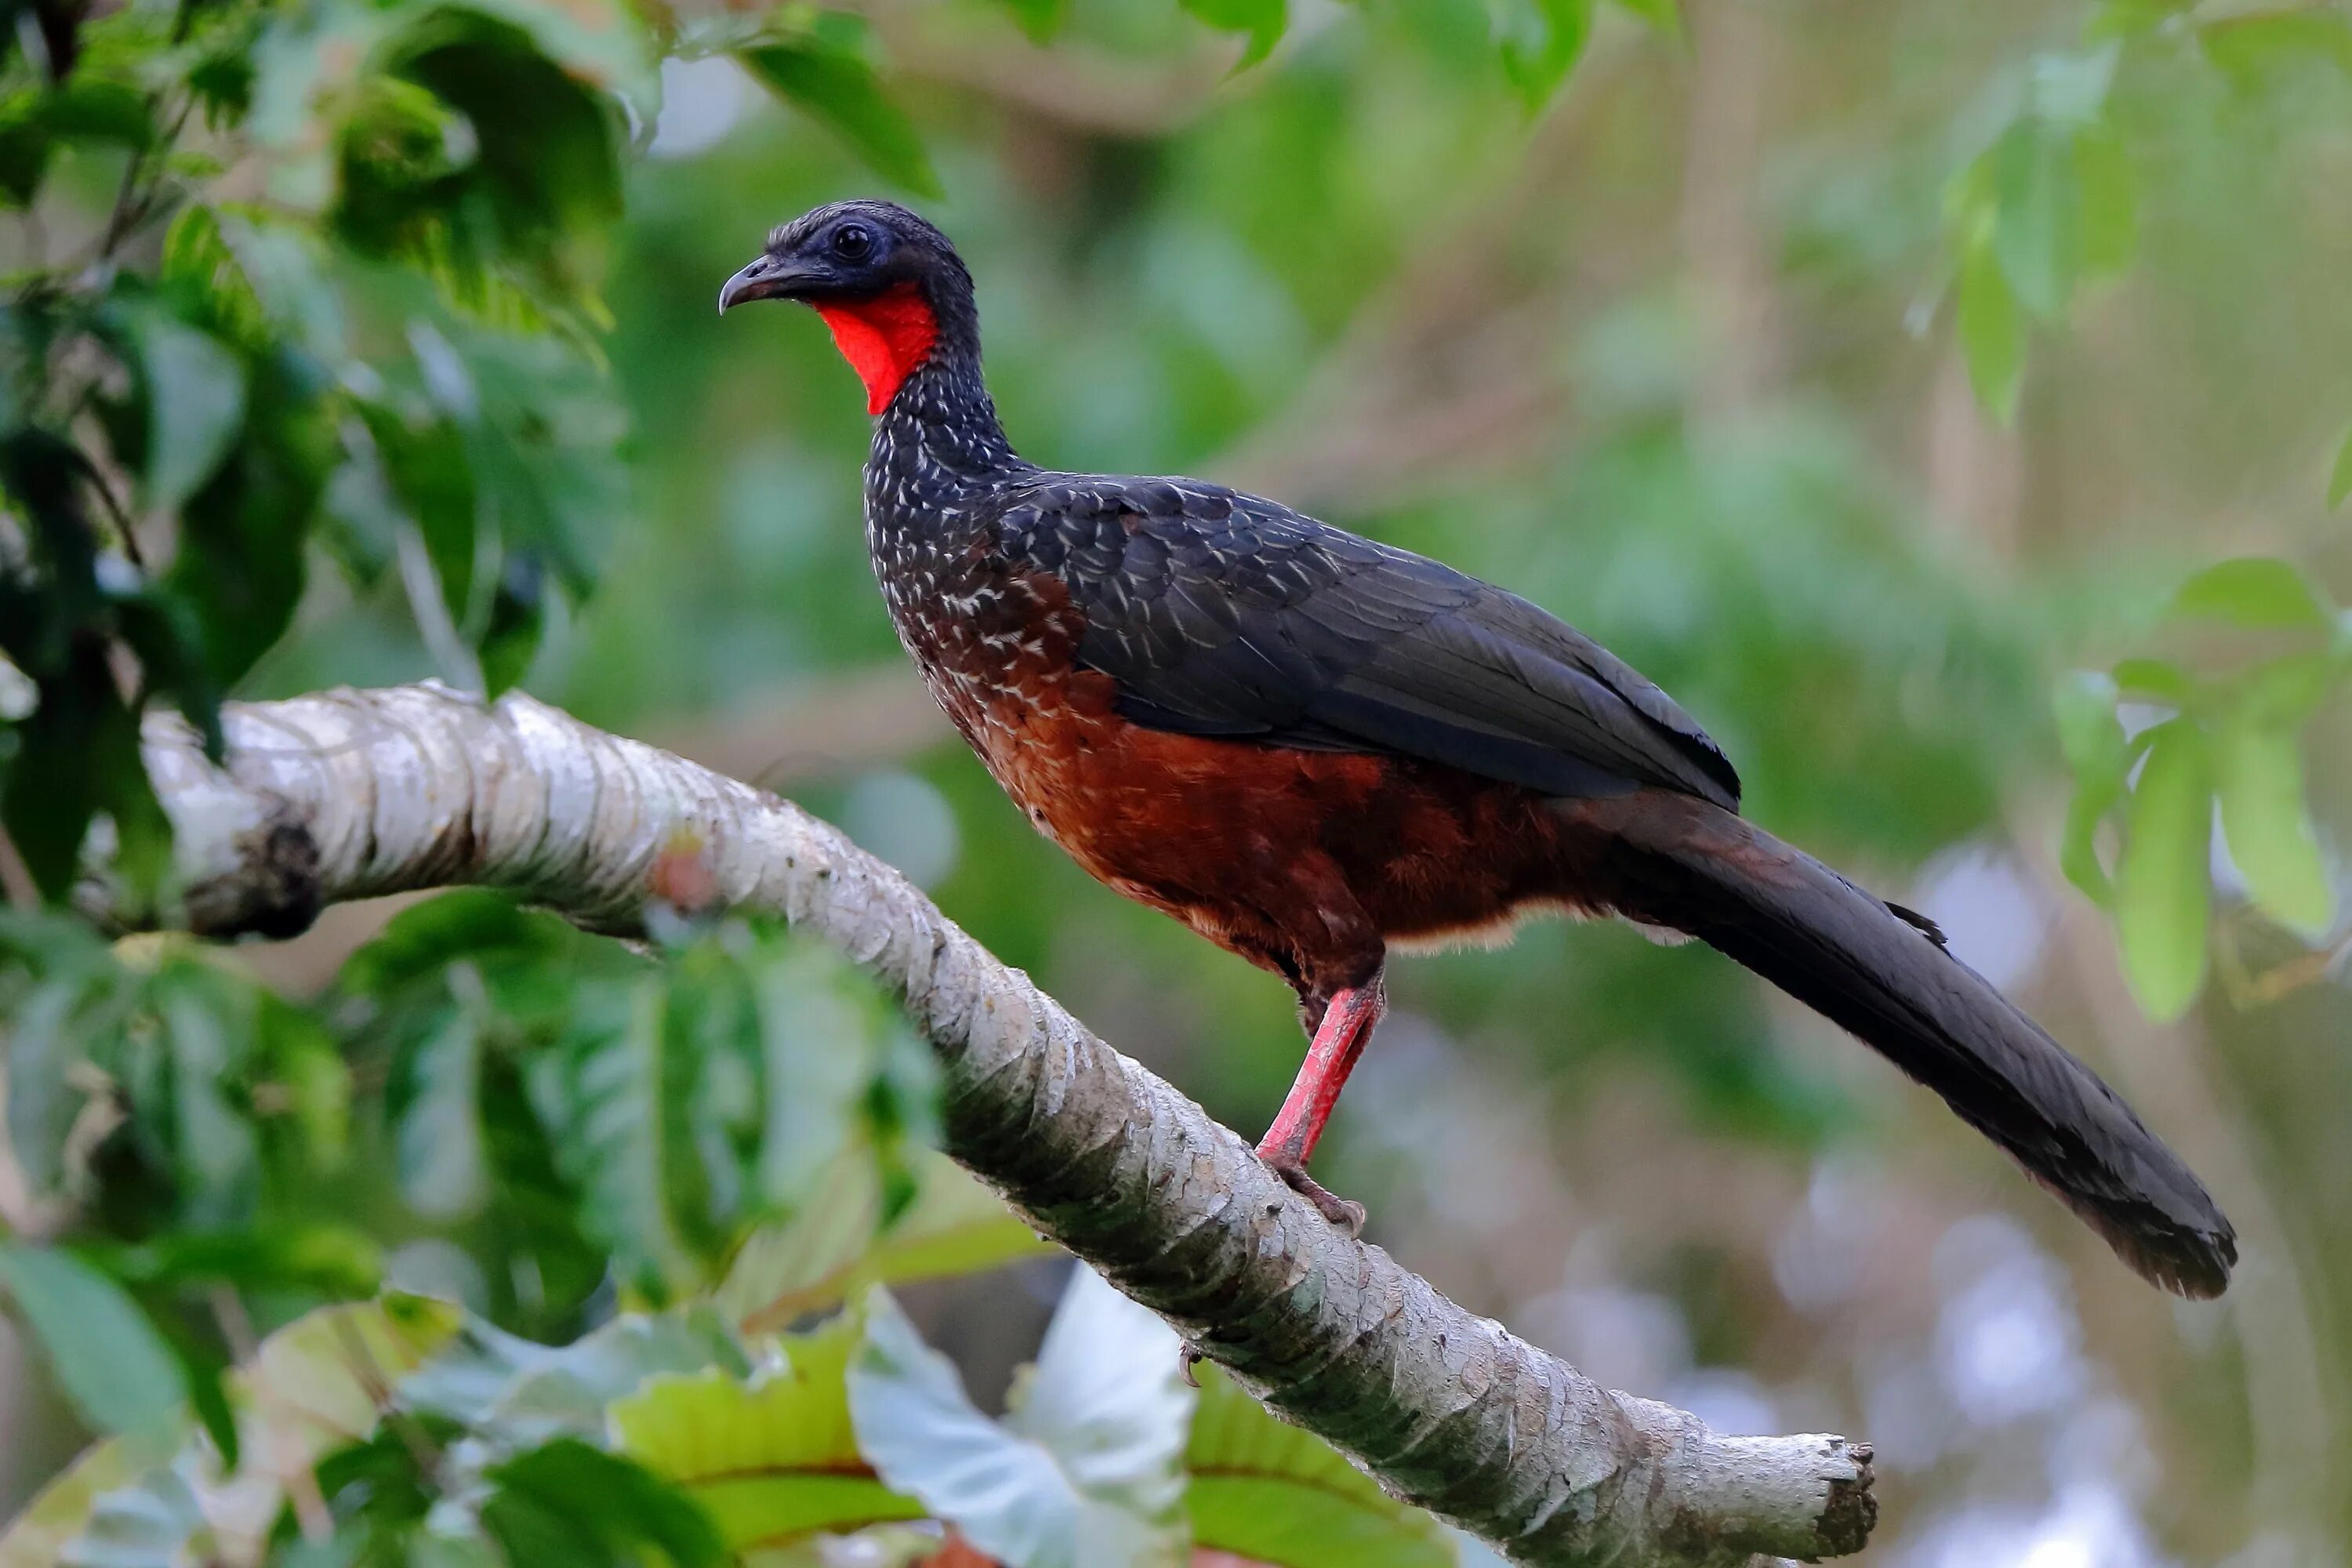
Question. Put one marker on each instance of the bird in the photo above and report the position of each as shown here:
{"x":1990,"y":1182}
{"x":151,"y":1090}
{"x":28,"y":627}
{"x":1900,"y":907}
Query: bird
{"x":1316,"y":750}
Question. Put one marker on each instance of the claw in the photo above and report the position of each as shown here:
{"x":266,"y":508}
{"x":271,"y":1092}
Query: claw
{"x":1343,"y":1213}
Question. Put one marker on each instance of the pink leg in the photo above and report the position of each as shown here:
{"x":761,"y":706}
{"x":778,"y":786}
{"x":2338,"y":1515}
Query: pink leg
{"x":1346,"y":1023}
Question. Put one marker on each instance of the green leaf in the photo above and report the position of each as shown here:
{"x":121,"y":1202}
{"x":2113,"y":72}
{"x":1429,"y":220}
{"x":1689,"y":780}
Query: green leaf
{"x":2093,"y":740}
{"x":444,"y":1172}
{"x":2284,"y":693}
{"x":2257,"y":47}
{"x":567,"y":1503}
{"x":241,"y":560}
{"x":773,"y":1461}
{"x":831,"y":84}
{"x":492,"y":167}
{"x":2155,"y":681}
{"x":2037,"y":235}
{"x":616,"y":1107}
{"x":1084,"y":1472}
{"x":516,"y":1394}
{"x":2267,"y":823}
{"x":1263,"y":20}
{"x":1993,"y":331}
{"x":197,"y":261}
{"x":1273,"y":1493}
{"x":2129,"y":18}
{"x":195,"y":405}
{"x":218,"y":1153}
{"x":475,"y":924}
{"x":2162,"y":890}
{"x":2258,"y":592}
{"x":2339,"y":481}
{"x":835,"y":1245}
{"x":86,"y":107}
{"x":107,"y":1357}
{"x":1043,"y":20}
{"x":332,"y":1259}
{"x":518,"y":619}
{"x":2109,"y":200}
{"x":1540,"y":42}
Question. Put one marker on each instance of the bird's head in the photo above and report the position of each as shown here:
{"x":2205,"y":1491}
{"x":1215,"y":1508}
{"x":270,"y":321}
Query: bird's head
{"x":887,"y":283}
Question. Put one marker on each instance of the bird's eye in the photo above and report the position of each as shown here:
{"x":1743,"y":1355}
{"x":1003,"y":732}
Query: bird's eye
{"x":853,"y":242}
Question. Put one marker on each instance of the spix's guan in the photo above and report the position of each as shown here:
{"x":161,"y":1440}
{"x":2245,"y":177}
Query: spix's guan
{"x":1314,"y":750}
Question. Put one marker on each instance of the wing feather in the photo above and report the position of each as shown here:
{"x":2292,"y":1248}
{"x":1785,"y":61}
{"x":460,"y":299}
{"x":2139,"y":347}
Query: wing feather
{"x":1221,"y":614}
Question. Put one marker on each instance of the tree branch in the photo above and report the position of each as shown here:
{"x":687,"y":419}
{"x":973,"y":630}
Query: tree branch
{"x":350,"y":793}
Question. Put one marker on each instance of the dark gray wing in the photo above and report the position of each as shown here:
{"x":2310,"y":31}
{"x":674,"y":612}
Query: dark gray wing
{"x":1221,"y":614}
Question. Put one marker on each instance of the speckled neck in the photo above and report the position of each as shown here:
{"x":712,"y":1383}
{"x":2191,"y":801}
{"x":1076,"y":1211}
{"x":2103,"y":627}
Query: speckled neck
{"x":938,"y":467}
{"x":939,"y":452}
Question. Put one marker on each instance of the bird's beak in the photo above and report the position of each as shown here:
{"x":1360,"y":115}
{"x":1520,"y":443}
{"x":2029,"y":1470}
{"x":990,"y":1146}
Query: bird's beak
{"x":766,"y":279}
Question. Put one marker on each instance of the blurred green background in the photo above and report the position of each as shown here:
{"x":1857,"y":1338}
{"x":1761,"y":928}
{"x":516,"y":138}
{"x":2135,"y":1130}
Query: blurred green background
{"x":1674,"y":357}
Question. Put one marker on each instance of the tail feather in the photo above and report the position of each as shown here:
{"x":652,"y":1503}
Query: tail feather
{"x":1882,"y":972}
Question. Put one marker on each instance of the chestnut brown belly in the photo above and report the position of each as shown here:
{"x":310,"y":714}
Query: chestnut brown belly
{"x":1308,"y":863}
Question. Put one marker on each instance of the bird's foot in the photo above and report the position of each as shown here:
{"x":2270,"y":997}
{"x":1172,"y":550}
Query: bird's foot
{"x":1347,"y":1214}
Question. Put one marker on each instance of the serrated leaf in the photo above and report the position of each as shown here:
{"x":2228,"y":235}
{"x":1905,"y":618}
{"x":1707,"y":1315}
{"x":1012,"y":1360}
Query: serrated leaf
{"x":107,"y":1357}
{"x":835,"y":86}
{"x":1015,"y":1496}
{"x":773,"y":1461}
{"x":835,"y":1245}
{"x":2163,"y":890}
{"x":618,"y":1115}
{"x":2258,"y":592}
{"x":1993,"y":331}
{"x":1263,"y":20}
{"x":2267,"y":823}
{"x":1273,"y":1493}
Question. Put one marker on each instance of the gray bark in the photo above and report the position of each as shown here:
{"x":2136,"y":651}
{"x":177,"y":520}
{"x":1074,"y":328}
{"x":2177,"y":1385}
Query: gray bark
{"x":349,"y":794}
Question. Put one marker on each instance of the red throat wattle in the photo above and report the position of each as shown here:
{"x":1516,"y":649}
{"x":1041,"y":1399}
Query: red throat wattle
{"x":883,"y":338}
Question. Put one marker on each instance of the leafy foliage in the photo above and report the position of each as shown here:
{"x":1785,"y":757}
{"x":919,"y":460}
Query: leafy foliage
{"x":433,"y":1433}
{"x":174,"y":437}
{"x":2230,"y":738}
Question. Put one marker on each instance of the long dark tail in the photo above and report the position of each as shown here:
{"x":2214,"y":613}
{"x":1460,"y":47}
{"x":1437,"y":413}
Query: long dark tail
{"x":1882,"y":972}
